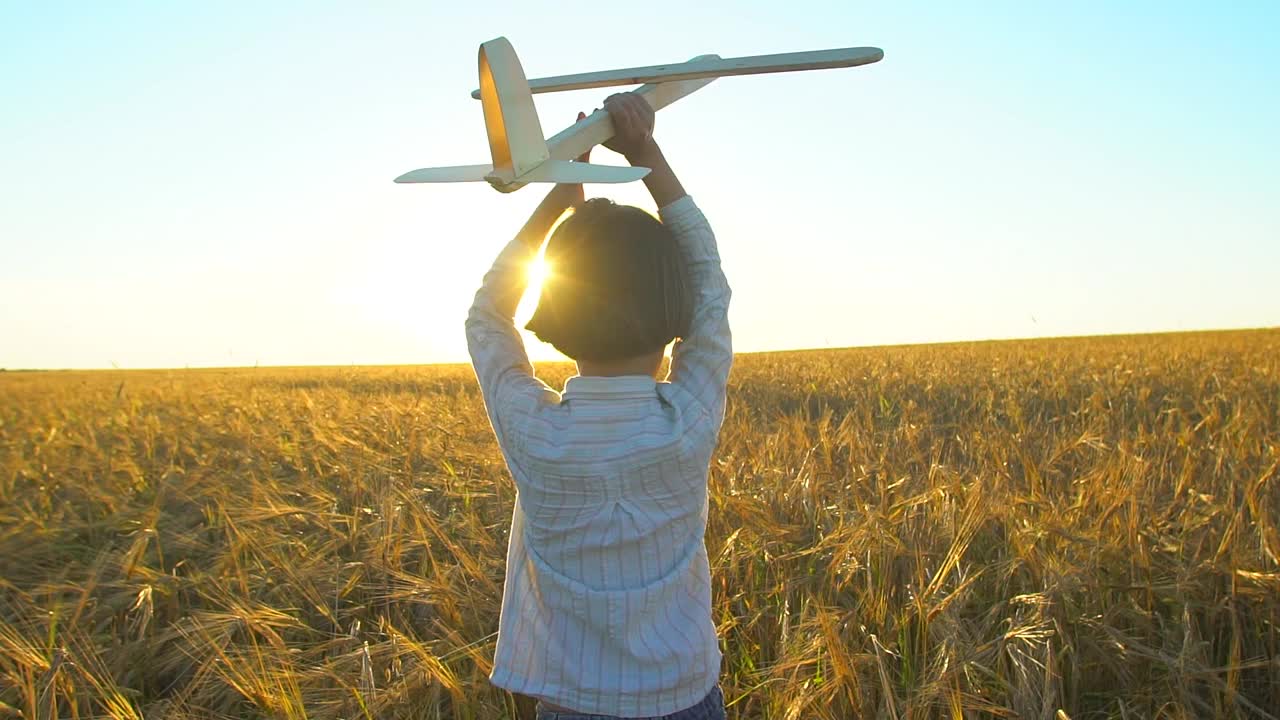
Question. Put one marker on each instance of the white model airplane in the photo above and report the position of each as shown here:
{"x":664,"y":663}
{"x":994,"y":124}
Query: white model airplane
{"x":521,"y":155}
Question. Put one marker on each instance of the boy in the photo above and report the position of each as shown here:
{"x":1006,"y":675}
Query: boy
{"x":606,"y":609}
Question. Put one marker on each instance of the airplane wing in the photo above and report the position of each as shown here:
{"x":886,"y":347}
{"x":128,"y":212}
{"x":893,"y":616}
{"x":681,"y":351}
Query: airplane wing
{"x":709,"y":68}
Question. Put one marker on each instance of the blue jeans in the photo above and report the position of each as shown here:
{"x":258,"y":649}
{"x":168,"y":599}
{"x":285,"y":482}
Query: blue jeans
{"x":711,"y":708}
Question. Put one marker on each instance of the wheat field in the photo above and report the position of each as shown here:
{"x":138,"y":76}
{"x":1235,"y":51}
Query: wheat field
{"x":1074,"y":528}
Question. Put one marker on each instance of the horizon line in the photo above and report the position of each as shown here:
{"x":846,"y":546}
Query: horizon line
{"x":1144,"y":333}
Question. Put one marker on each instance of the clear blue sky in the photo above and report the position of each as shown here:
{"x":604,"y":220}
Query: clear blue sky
{"x":210,"y":183}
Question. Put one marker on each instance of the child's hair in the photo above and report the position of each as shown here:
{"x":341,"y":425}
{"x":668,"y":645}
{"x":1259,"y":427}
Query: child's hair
{"x":616,"y":288}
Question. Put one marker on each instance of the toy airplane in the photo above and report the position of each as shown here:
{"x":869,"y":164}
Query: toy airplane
{"x":521,"y":155}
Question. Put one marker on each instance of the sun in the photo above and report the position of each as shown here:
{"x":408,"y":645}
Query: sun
{"x":537,"y":273}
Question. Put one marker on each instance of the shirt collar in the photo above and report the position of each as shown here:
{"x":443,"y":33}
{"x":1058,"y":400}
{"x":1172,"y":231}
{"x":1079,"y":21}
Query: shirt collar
{"x":620,"y":386}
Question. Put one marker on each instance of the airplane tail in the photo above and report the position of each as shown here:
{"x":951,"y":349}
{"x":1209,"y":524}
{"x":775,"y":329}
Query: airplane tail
{"x":510,"y":119}
{"x":563,"y":171}
{"x":455,"y":173}
{"x":519,"y":150}
{"x":551,"y":171}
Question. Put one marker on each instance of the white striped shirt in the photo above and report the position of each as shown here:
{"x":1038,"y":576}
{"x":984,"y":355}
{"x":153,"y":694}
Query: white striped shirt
{"x":607,"y":603}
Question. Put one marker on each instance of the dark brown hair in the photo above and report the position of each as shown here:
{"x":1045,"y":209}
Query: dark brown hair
{"x":617,"y":286}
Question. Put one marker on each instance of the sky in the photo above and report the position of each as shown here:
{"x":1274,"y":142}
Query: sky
{"x":210,"y":184}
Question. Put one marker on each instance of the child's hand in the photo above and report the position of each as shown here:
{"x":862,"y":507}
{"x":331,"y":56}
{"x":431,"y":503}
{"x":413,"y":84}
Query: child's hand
{"x":632,"y":124}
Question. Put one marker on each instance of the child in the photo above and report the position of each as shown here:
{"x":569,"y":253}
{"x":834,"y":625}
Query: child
{"x":607,"y":604}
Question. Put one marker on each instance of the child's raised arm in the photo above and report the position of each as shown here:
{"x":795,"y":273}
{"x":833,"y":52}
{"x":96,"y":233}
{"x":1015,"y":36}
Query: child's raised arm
{"x":700,"y":361}
{"x":497,"y":351}
{"x":633,"y":120}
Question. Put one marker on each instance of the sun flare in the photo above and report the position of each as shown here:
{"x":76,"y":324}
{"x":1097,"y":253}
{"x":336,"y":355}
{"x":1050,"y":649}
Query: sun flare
{"x":537,"y":272}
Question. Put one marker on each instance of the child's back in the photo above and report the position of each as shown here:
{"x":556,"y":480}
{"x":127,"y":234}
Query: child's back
{"x":607,"y":602}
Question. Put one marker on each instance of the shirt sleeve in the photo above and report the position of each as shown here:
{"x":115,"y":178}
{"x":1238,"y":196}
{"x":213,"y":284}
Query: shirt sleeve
{"x":701,"y":360}
{"x":497,"y":351}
